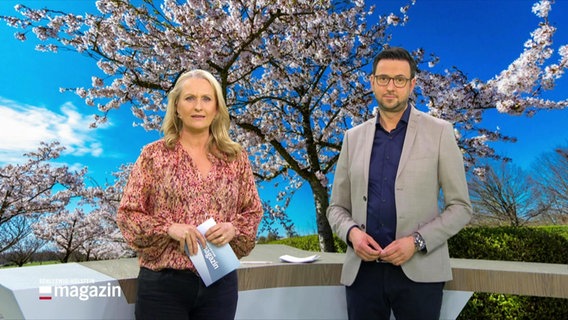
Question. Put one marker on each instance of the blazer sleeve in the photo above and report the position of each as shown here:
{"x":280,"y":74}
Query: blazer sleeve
{"x":339,"y":212}
{"x":457,"y":209}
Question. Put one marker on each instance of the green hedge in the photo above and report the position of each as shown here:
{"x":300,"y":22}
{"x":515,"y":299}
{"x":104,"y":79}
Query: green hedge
{"x":310,"y":243}
{"x":529,"y":244}
{"x":511,"y":244}
{"x":547,"y":244}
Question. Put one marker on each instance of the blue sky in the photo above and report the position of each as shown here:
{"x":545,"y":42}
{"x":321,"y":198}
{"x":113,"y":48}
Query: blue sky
{"x":480,"y":37}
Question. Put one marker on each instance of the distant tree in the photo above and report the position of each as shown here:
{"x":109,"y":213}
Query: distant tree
{"x":271,"y":236}
{"x":34,"y":188}
{"x":105,"y":201}
{"x":294,"y":76}
{"x":105,"y":240}
{"x":505,"y":194}
{"x":103,"y":249}
{"x":69,"y":231}
{"x":23,"y":251}
{"x":274,"y":218}
{"x":12,"y":231}
{"x":45,"y":255}
{"x":551,"y":175}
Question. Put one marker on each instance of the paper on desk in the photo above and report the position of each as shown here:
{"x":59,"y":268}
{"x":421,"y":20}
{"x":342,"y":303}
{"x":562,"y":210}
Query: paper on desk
{"x":292,"y":259}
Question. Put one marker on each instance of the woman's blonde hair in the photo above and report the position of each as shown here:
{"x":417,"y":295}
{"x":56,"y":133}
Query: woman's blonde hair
{"x":220,"y":143}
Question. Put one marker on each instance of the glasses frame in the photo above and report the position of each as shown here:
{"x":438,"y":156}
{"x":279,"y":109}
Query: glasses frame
{"x":376,"y":76}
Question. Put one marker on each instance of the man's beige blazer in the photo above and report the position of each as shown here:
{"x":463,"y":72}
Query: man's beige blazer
{"x":430,"y":161}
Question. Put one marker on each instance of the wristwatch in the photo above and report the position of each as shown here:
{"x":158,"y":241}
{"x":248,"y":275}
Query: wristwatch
{"x":419,"y":242}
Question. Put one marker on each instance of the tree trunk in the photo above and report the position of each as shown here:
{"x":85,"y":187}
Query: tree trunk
{"x":66,"y":256}
{"x":325,"y":234}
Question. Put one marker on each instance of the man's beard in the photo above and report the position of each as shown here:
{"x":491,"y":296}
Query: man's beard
{"x":401,"y":105}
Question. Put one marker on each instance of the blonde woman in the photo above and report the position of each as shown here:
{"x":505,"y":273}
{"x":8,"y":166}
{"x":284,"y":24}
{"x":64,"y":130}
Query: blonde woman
{"x":194,"y":173}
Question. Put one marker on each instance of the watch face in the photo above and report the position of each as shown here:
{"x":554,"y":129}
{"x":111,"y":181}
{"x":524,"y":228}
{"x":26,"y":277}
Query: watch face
{"x":418,"y":242}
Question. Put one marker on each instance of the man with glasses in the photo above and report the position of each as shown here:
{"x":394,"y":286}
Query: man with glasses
{"x":384,"y":201}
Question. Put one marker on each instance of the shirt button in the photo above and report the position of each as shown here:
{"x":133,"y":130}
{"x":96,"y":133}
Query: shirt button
{"x":364,"y":198}
{"x":363,"y":226}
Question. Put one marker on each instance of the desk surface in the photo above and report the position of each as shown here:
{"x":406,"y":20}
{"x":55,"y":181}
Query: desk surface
{"x":263,"y":269}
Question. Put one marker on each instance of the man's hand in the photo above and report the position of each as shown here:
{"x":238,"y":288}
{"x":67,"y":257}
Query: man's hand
{"x":399,"y":251}
{"x":364,"y":245}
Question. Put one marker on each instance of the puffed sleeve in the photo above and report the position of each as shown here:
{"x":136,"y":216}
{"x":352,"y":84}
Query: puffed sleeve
{"x":143,"y":230}
{"x":249,"y":214}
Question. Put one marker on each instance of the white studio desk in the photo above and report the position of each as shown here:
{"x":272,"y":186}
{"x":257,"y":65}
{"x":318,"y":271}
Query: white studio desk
{"x":268,"y":288}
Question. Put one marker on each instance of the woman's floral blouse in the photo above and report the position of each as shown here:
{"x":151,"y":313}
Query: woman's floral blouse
{"x":165,"y":187}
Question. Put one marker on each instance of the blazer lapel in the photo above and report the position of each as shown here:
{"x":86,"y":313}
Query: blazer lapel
{"x":369,"y":135}
{"x":409,"y":139}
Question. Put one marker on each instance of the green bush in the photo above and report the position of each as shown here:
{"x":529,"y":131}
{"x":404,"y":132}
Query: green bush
{"x":559,"y":230}
{"x":530,"y":244}
{"x":310,"y":243}
{"x":511,"y":244}
{"x":505,"y":306}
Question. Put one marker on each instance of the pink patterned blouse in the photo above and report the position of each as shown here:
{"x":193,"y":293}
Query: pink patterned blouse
{"x":165,"y":187}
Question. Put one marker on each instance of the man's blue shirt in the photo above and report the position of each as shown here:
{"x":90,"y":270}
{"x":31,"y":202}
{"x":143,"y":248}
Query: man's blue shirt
{"x":385,"y":156}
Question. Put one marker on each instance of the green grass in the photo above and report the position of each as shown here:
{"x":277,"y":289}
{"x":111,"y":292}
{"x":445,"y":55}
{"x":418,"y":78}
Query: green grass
{"x":35,"y":263}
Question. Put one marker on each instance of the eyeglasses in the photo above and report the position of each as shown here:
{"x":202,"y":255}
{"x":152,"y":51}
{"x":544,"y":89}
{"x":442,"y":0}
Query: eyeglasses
{"x":383,"y":80}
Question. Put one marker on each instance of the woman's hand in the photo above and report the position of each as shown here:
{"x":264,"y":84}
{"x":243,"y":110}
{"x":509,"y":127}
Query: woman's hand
{"x":221,"y":233}
{"x":186,"y":234}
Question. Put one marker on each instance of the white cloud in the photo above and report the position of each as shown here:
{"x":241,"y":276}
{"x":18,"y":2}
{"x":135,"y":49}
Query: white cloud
{"x":23,"y":127}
